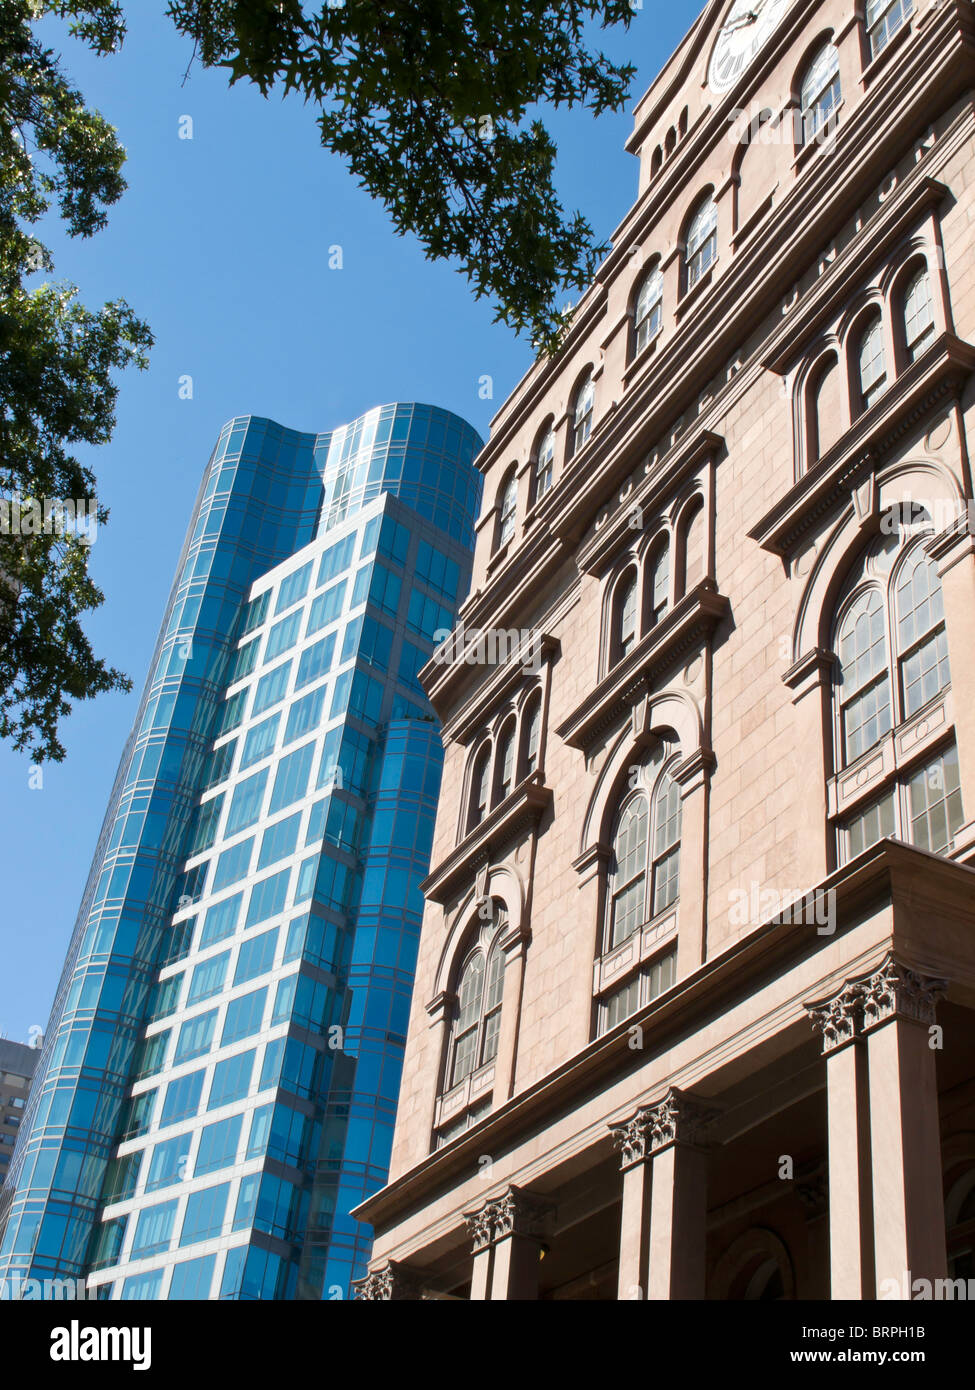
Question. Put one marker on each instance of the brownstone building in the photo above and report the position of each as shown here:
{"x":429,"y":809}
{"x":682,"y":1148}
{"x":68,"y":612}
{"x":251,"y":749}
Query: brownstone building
{"x":694,"y":1013}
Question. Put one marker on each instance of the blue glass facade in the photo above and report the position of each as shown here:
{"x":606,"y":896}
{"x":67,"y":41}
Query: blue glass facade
{"x":219,"y":1077}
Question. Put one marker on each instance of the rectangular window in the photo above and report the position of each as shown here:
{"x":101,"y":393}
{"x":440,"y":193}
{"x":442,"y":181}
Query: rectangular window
{"x":254,"y":613}
{"x":244,"y":1017}
{"x":245,"y":806}
{"x":231,"y":1080}
{"x":291,"y":778}
{"x":151,"y":1055}
{"x":293,"y":588}
{"x":260,"y":741}
{"x":279,"y":840}
{"x":142,"y":1288}
{"x":205,"y":1213}
{"x":122,"y":1177}
{"x":426,"y":616}
{"x":336,"y":559}
{"x":411,"y":662}
{"x":934,"y":803}
{"x":243,"y":661}
{"x":220,"y":761}
{"x":315,"y":661}
{"x":208,"y":978}
{"x":218,"y":1145}
{"x":154,"y":1230}
{"x":195,"y":1037}
{"x":166,"y":997}
{"x":304,"y":715}
{"x":283,"y":635}
{"x":925,"y":672}
{"x":437,"y":571}
{"x":267,"y":898}
{"x":182,"y":1099}
{"x":326,"y":608}
{"x":231,"y":713}
{"x":271,"y":688}
{"x":875,"y":822}
{"x":205,"y":824}
{"x":138,"y":1115}
{"x":169,"y":1162}
{"x":256,"y":957}
{"x":394,"y":540}
{"x":232,"y":865}
{"x":221,"y":920}
{"x":192,"y":1280}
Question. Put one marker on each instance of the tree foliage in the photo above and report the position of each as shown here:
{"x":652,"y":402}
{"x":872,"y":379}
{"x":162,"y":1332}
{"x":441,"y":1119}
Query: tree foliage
{"x":429,"y":102}
{"x":57,"y":360}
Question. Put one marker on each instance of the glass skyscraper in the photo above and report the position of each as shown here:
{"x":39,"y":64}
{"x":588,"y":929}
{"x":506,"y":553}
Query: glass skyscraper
{"x":219,"y":1077}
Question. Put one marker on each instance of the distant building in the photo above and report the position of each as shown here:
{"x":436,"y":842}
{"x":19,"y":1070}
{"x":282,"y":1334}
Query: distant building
{"x":17,"y":1064}
{"x":221,"y":1069}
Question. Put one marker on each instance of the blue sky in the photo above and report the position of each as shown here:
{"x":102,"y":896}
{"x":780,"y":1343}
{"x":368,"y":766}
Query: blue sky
{"x":221,"y":243}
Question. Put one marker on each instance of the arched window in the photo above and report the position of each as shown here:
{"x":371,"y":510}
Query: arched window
{"x":658,"y":584}
{"x":819,"y":93}
{"x":825,"y":420}
{"x":701,"y":247}
{"x":544,"y":464}
{"x":892,"y":660}
{"x":582,"y":413}
{"x":624,"y":619}
{"x":648,"y":314}
{"x":507,"y":509}
{"x":480,"y":788}
{"x":645,"y":864}
{"x":918,"y":314}
{"x":871,"y":361}
{"x":477,"y":1017}
{"x":531,"y":724}
{"x":692,"y":549}
{"x":504,"y":763}
{"x":884,"y":18}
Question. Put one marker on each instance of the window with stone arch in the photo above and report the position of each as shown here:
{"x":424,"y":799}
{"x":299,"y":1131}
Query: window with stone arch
{"x":624,"y":616}
{"x":914,"y":311}
{"x":701,"y":242}
{"x":480,"y":789}
{"x":869,"y":360}
{"x":507,"y":509}
{"x":891,"y":650}
{"x":583,"y":405}
{"x":825,"y":413}
{"x":819,"y":94}
{"x":644,"y":867}
{"x":656,"y":583}
{"x":648,"y":311}
{"x":531,"y":732}
{"x":476,"y":1025}
{"x":543,"y":463}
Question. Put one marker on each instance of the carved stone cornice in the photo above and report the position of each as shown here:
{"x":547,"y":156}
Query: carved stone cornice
{"x":837,"y":1020}
{"x":679,"y":1118}
{"x":812,"y":670}
{"x":391,"y":1281}
{"x":896,"y":991}
{"x":939,"y":374}
{"x":688,"y":625}
{"x":514,"y":1212}
{"x":520,"y":811}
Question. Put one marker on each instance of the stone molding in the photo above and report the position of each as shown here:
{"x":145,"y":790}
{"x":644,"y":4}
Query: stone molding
{"x":893,"y":990}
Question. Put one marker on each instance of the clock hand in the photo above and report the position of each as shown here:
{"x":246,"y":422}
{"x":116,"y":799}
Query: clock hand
{"x":741,"y":22}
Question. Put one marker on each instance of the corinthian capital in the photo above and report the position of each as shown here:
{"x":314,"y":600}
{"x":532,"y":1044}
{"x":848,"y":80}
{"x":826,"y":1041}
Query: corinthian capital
{"x":679,"y":1118}
{"x":896,"y":990}
{"x":515,"y":1212}
{"x":390,"y":1281}
{"x":837,"y":1020}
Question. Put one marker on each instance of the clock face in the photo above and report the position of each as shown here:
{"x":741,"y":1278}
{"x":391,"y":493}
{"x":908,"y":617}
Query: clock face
{"x":746,"y":28}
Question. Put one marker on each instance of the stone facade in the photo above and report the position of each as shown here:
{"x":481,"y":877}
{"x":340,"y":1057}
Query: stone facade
{"x":702,"y":886}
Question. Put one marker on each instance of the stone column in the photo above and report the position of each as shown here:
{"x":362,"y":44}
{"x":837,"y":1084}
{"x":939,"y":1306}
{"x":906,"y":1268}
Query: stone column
{"x":664,"y":1212}
{"x":808,"y":679}
{"x":909,"y":1218}
{"x":848,"y":1145}
{"x":506,"y":1233}
{"x":389,"y":1282}
{"x":441,"y":1012}
{"x":693,"y":776}
{"x":954,"y":553}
